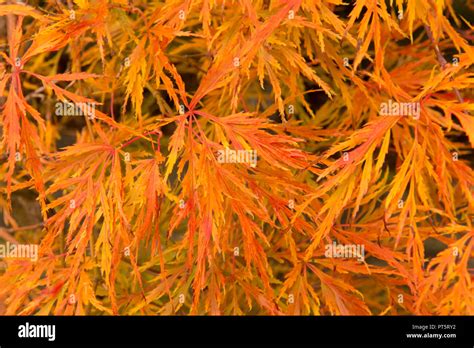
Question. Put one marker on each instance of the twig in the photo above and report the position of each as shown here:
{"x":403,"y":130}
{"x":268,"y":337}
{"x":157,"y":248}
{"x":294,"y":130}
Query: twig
{"x":10,"y":30}
{"x":5,"y":235}
{"x":5,"y":232}
{"x":23,"y":228}
{"x":442,"y":61}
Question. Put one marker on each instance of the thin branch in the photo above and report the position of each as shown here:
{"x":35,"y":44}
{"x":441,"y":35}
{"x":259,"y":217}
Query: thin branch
{"x":10,"y":29}
{"x":442,"y":61}
{"x":5,"y":235}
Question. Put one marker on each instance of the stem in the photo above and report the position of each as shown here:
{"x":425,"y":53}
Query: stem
{"x":138,"y":138}
{"x":23,"y":228}
{"x":10,"y":29}
{"x":5,"y":235}
{"x":442,"y":61}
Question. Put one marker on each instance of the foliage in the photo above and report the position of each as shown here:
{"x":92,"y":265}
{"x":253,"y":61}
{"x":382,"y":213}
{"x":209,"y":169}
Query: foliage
{"x":138,"y":215}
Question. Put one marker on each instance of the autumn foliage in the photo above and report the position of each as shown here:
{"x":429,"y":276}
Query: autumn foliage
{"x":135,"y":213}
